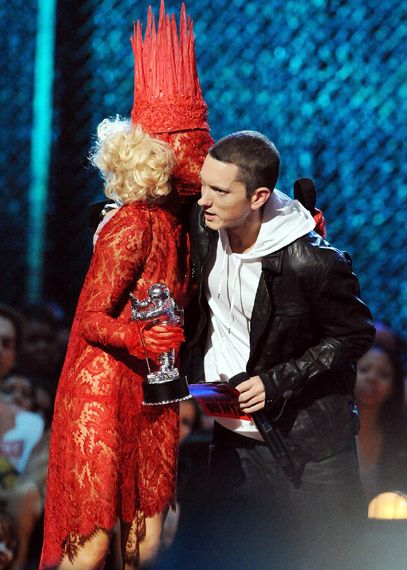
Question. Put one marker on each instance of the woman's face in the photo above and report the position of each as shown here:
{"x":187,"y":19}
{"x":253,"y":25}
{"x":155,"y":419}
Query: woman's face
{"x":375,"y":377}
{"x":191,"y":148}
{"x":17,"y":390}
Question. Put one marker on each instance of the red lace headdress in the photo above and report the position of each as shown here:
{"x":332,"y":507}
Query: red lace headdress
{"x":168,"y":100}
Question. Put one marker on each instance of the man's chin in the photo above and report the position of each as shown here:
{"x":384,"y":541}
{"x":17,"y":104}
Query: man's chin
{"x":212,"y":223}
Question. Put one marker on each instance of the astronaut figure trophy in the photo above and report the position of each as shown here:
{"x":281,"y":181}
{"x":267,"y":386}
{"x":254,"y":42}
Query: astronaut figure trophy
{"x":164,"y":386}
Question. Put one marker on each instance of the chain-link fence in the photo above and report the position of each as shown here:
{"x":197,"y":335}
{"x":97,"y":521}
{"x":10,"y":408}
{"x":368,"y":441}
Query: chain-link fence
{"x":326,"y":80}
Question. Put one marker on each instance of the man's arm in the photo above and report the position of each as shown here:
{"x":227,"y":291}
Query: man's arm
{"x":345,"y":325}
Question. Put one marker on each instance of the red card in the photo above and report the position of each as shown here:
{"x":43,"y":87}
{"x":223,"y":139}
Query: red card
{"x":218,"y":399}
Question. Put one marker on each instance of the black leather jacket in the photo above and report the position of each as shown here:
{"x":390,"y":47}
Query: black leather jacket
{"x":308,"y":328}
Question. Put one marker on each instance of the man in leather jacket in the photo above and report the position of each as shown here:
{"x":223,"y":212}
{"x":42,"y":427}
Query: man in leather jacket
{"x":281,"y":319}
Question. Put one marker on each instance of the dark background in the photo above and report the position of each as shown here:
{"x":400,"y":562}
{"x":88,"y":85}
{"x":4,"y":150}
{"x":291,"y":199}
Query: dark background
{"x":325,"y":80}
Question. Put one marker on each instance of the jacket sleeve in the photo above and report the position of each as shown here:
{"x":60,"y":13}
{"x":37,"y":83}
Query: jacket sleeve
{"x":345,"y":325}
{"x":116,"y":265}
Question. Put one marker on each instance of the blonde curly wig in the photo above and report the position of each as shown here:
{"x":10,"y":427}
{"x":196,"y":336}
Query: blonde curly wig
{"x":134,"y":165}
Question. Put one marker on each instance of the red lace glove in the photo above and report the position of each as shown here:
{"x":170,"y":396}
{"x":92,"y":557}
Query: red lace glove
{"x":161,"y":338}
{"x":151,"y":342}
{"x":320,"y":223}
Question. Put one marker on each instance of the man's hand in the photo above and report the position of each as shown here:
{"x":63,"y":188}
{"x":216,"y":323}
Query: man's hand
{"x":252,"y":395}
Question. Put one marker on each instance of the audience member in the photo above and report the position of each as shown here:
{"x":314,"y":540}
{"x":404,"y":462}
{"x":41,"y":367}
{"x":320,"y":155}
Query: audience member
{"x":386,"y":337}
{"x":8,"y":541}
{"x":11,"y":331}
{"x":20,"y":428}
{"x":17,"y":388}
{"x":40,"y":351}
{"x":31,"y":398}
{"x":382,"y":447}
{"x":382,"y":438}
{"x":189,"y":419}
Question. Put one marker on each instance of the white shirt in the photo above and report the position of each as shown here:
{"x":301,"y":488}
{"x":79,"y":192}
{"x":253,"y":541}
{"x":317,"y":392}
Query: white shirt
{"x":231,"y":288}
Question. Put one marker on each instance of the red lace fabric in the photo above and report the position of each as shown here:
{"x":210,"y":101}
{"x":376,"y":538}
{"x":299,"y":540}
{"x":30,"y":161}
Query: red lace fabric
{"x":111,"y":457}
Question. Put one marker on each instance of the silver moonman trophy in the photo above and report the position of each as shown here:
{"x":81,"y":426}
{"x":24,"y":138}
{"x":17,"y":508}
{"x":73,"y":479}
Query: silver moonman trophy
{"x":164,"y":386}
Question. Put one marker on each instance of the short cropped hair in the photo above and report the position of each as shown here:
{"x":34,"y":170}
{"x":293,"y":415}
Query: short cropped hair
{"x":134,"y":165}
{"x":254,"y":154}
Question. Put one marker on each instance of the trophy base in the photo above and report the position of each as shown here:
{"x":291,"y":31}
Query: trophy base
{"x":160,"y":393}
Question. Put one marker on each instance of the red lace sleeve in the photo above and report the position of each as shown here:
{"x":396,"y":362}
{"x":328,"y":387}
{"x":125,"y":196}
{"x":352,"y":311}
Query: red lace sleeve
{"x":119,"y":256}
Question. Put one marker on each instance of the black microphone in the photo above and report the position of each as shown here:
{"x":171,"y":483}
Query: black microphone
{"x":271,"y":436}
{"x":305,"y":192}
{"x":276,"y":444}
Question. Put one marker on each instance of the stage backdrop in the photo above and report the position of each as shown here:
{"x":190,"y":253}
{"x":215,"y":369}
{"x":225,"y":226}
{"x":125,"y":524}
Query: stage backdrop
{"x":325,"y":80}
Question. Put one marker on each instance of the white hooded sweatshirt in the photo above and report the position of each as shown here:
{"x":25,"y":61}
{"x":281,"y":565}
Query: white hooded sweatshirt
{"x":231,"y":288}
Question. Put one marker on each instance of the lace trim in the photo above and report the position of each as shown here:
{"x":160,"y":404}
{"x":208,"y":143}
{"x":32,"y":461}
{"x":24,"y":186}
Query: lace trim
{"x":75,"y":542}
{"x":136,"y":534}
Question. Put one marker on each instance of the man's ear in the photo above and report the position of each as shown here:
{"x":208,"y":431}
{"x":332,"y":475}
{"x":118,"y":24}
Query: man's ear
{"x":259,"y":197}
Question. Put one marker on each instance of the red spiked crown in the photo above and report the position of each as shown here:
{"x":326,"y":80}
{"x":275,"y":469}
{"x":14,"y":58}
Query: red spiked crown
{"x":167,"y":92}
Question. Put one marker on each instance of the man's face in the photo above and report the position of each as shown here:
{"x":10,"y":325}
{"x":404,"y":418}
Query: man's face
{"x":8,"y":340}
{"x":223,"y":197}
{"x":17,"y":389}
{"x":39,"y":350}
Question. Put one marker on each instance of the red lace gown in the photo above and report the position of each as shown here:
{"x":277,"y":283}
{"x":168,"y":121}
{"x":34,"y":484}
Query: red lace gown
{"x":111,"y":457}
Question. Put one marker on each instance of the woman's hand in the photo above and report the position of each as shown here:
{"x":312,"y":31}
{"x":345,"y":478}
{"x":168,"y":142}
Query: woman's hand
{"x":142,"y":339}
{"x":162,"y":338}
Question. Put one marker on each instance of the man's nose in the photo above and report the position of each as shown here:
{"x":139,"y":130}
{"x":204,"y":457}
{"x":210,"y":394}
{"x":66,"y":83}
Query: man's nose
{"x":205,"y":199}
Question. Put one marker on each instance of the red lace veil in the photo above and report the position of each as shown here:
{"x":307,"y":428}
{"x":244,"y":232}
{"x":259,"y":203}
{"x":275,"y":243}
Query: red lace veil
{"x":168,"y":100}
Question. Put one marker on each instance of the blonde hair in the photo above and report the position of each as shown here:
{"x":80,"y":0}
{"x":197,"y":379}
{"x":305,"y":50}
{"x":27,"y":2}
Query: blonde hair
{"x":133,"y":164}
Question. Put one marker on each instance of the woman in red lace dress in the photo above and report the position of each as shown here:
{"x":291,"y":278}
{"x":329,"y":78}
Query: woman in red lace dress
{"x":112,"y":458}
